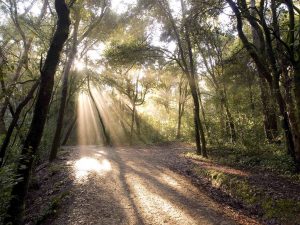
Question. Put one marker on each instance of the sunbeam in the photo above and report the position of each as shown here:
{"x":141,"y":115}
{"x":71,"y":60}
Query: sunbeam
{"x":111,"y":115}
{"x":88,"y":129}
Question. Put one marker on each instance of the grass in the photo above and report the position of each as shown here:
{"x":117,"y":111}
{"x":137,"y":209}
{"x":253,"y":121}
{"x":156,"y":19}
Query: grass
{"x":281,"y":209}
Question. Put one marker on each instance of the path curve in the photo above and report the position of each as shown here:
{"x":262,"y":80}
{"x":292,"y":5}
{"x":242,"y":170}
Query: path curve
{"x":133,"y":186}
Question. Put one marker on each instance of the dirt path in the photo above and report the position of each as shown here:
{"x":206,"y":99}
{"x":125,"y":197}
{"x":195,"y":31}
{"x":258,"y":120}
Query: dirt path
{"x":133,"y":186}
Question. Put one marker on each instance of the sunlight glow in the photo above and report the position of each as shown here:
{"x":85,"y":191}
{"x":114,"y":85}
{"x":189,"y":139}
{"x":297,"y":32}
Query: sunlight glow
{"x":121,"y":6}
{"x":87,"y":165}
{"x":79,"y":65}
{"x":90,"y":130}
{"x":112,"y":117}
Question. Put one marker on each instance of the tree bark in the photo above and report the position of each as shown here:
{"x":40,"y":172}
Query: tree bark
{"x":231,"y":125}
{"x":2,"y":123}
{"x":193,"y":86}
{"x":64,"y":92}
{"x":297,"y":122}
{"x":204,"y":116}
{"x":189,"y":70}
{"x":132,"y":122}
{"x":269,"y":112}
{"x":181,"y":105}
{"x":69,"y":130}
{"x":19,"y":190}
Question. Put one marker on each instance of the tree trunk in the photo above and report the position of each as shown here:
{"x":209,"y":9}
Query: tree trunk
{"x":251,"y":98}
{"x":297,"y":122}
{"x":19,"y":190}
{"x":269,"y":111}
{"x":106,"y":133}
{"x":199,"y":132}
{"x":64,"y":92}
{"x":132,"y":122}
{"x":297,"y":89}
{"x":138,"y":124}
{"x":181,"y":104}
{"x":204,"y":116}
{"x":178,"y":132}
{"x":285,"y":118}
{"x":233,"y":136}
{"x":69,"y":130}
{"x":194,"y":89}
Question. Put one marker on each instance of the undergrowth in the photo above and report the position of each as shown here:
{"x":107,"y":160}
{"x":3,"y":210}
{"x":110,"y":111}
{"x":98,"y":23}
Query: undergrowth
{"x":267,"y":158}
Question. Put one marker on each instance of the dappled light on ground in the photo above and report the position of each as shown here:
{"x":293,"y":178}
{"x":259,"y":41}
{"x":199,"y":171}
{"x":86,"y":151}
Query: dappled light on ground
{"x":86,"y":165}
{"x":133,"y":186}
{"x":130,"y":186}
{"x":162,"y":210}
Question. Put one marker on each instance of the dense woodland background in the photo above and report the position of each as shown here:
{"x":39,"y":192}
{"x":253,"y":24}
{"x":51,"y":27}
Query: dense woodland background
{"x":218,"y":74}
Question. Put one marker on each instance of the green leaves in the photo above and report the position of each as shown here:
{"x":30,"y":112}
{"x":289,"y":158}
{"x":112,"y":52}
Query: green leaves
{"x":134,"y":52}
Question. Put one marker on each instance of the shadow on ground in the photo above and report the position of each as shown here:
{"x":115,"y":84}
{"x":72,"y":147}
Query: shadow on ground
{"x":129,"y":186}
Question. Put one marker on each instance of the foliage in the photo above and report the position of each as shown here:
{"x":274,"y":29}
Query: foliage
{"x":280,"y":209}
{"x":7,"y":180}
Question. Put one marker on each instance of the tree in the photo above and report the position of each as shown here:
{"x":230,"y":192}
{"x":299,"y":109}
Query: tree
{"x":186,"y":61}
{"x":71,"y":57}
{"x":19,"y":191}
{"x":23,"y":60}
{"x":272,"y":62}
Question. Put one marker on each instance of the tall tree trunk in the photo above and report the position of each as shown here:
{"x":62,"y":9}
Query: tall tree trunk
{"x":138,"y":124}
{"x":250,"y":88}
{"x":297,"y":88}
{"x":19,"y":190}
{"x":64,"y":92}
{"x":297,"y":119}
{"x":231,"y":125}
{"x":222,"y":121}
{"x":69,"y":130}
{"x":132,"y":122}
{"x":197,"y":123}
{"x":188,"y":69}
{"x":178,"y":131}
{"x":203,"y":115}
{"x":285,"y":118}
{"x":194,"y":89}
{"x":181,"y":105}
{"x":269,"y":111}
{"x":2,"y":122}
{"x":233,"y":136}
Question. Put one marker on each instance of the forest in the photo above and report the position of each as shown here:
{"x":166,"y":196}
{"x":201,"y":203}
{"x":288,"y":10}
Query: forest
{"x":149,"y":112}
